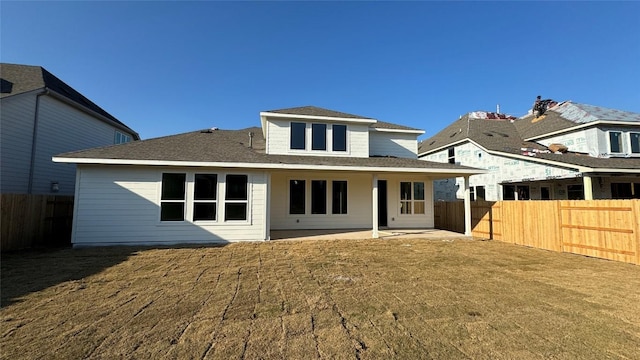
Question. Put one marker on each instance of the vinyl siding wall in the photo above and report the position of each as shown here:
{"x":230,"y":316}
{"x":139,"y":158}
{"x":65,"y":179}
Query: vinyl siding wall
{"x":393,"y":144}
{"x":359,"y":195}
{"x":16,"y":133}
{"x":60,"y":128}
{"x":278,"y":139}
{"x":121,"y":205}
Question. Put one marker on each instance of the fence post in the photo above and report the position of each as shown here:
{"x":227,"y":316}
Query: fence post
{"x":559,"y":229}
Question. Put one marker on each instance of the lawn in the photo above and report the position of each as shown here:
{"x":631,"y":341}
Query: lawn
{"x":360,"y":299}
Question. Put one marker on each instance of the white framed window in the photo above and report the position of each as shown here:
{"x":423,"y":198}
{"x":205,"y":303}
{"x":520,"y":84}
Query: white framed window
{"x":339,"y":137}
{"x":317,"y":194}
{"x":451,"y":153}
{"x":339,"y":197}
{"x":319,"y":137}
{"x":298,"y":138}
{"x":615,"y":142}
{"x":297,"y":194}
{"x":412,"y":198}
{"x":236,"y":201}
{"x":634,"y":138}
{"x":205,"y":195}
{"x":121,"y":138}
{"x":173,"y":197}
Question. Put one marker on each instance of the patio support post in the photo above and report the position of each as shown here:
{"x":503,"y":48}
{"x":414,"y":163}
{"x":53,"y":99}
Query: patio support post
{"x":374,"y":206}
{"x":467,"y":207}
{"x":588,"y":187}
{"x":267,"y":206}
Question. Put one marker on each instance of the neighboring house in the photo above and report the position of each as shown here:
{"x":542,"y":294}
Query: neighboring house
{"x":42,"y":116}
{"x":305,"y":168}
{"x":599,"y":155}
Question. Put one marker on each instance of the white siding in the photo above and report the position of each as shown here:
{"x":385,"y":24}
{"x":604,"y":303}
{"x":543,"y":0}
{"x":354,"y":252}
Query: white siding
{"x":60,"y":128}
{"x":395,"y":218}
{"x":359,"y":202}
{"x":16,"y":132}
{"x":278,"y":137}
{"x":393,"y":144}
{"x":121,"y":205}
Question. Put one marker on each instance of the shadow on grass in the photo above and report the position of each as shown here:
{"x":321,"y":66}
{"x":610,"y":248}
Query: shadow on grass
{"x":29,"y":271}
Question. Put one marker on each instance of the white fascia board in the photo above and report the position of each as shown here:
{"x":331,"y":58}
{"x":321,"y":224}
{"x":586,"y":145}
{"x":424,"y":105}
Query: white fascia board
{"x":323,"y":118}
{"x":582,"y":126}
{"x":266,"y":166}
{"x":445,"y":147}
{"x":406,"y":131}
{"x":626,"y":171}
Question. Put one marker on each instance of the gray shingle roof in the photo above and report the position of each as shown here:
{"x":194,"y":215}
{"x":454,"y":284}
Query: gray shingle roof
{"x":386,"y":125}
{"x":317,"y":111}
{"x":18,"y":79}
{"x":508,"y":137}
{"x":232,"y":146}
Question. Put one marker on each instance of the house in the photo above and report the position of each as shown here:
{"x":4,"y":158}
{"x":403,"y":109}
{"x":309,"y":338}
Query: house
{"x":304,"y":168}
{"x":571,"y":151}
{"x":42,"y":116}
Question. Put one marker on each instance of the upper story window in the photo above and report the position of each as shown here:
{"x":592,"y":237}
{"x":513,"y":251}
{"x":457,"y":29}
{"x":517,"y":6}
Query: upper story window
{"x":318,"y":137}
{"x":635,"y":142}
{"x":298,"y":136}
{"x":452,"y":155}
{"x":615,"y":141}
{"x":339,"y":133}
{"x":121,"y":138}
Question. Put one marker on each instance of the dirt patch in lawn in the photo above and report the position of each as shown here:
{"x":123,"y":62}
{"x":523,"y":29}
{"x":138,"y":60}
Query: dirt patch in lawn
{"x":359,"y":299}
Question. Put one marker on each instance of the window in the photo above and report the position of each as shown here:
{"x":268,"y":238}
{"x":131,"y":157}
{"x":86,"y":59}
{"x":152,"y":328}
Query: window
{"x":204,"y":197}
{"x":452,"y":155}
{"x":339,"y":204}
{"x":172,"y":199}
{"x":412,"y":198}
{"x":121,"y":138}
{"x":480,"y":193}
{"x":615,"y":141}
{"x":635,"y":142}
{"x":545,"y":193}
{"x":318,"y":196}
{"x":339,"y":137}
{"x":523,"y":192}
{"x":472,"y":193}
{"x":575,"y":192}
{"x":298,"y":138}
{"x":236,"y":197}
{"x":296,"y":196}
{"x":318,"y":137}
{"x":508,"y":192}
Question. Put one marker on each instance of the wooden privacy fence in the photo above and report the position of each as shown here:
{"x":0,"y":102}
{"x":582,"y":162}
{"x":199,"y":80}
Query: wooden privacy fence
{"x":35,"y":221}
{"x":608,"y":229}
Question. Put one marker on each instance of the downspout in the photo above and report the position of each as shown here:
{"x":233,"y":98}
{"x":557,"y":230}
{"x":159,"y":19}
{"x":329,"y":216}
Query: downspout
{"x":33,"y":140}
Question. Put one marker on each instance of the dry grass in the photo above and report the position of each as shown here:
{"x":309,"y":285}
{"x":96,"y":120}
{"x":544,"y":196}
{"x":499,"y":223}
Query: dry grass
{"x":320,"y":299}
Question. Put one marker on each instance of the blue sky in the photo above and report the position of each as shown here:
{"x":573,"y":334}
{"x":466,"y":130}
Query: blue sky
{"x":170,"y":67}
